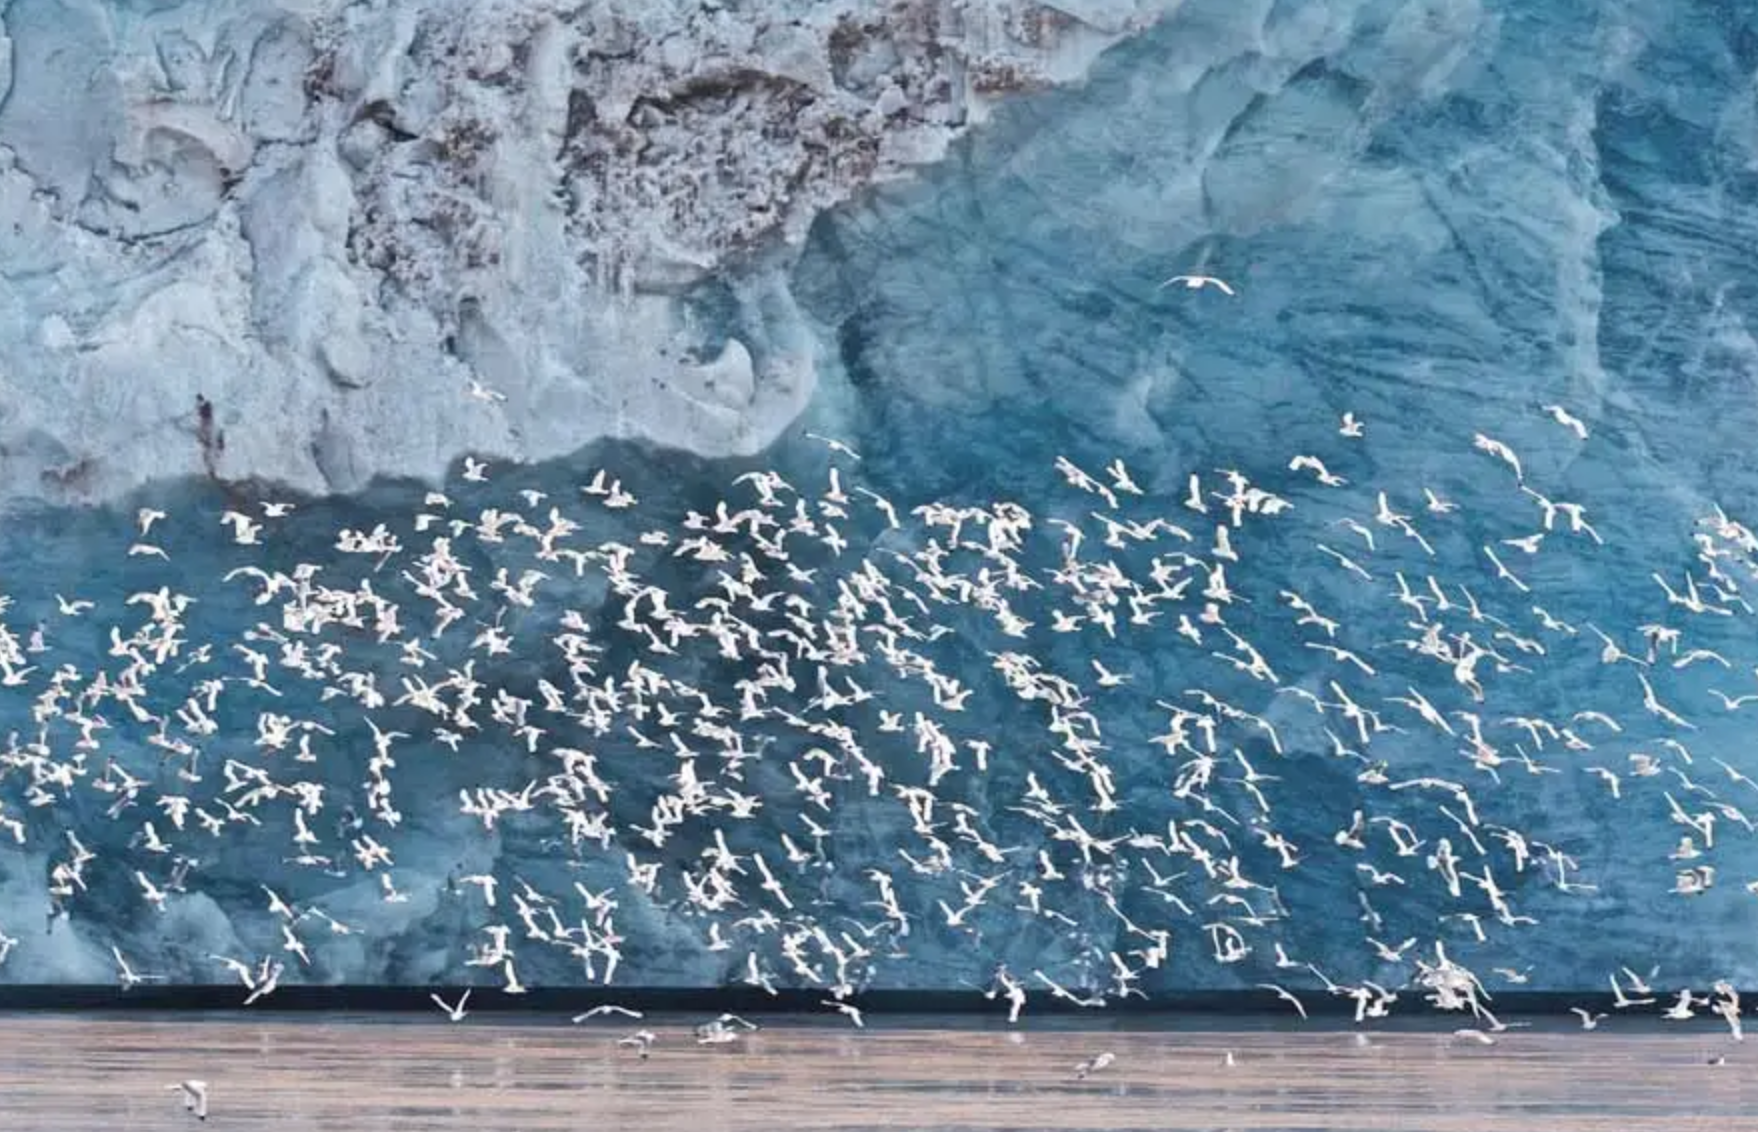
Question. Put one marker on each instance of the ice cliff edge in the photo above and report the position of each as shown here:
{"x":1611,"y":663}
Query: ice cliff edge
{"x":375,"y":235}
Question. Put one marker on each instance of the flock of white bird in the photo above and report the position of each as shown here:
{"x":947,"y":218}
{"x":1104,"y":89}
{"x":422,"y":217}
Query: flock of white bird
{"x":722,"y":742}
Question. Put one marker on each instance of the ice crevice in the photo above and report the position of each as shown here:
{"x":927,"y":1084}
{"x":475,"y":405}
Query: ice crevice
{"x":330,"y":218}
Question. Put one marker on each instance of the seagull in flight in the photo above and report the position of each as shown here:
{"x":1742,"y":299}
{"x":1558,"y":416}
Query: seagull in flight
{"x":1121,"y":479}
{"x":834,"y":445}
{"x":1107,"y":678}
{"x":1198,"y":282}
{"x":126,"y":975}
{"x":1569,"y":421}
{"x":1285,"y":996}
{"x":481,"y":392}
{"x":1622,"y":1001}
{"x":1732,"y":703}
{"x":1314,"y":465}
{"x":1501,"y":452}
{"x":1436,"y":504}
{"x":195,"y":1097}
{"x":608,"y":1008}
{"x":847,"y":1009}
{"x":455,"y":1013}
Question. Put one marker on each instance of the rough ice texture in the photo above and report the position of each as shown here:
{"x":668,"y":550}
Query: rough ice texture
{"x":329,"y":218}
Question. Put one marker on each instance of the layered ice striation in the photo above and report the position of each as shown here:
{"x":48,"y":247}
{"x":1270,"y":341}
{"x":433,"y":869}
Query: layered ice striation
{"x":335,"y":221}
{"x":1440,"y":218}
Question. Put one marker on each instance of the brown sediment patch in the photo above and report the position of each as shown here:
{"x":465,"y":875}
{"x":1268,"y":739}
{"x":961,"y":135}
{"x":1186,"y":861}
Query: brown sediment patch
{"x":209,"y":435}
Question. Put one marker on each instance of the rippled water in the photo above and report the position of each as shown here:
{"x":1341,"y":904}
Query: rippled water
{"x":356,"y":1074}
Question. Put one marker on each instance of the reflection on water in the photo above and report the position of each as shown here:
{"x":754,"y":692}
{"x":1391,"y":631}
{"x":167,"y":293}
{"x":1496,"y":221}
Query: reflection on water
{"x":362,"y":1076}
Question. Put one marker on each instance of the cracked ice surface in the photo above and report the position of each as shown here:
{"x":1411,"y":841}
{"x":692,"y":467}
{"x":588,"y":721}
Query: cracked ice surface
{"x":329,"y":218}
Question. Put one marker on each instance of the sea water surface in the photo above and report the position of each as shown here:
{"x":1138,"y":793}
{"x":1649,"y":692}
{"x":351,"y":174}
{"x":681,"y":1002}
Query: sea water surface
{"x":352,"y":1074}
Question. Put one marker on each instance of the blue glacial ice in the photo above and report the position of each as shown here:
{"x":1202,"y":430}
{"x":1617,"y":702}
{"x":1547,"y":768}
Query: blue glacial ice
{"x":1437,"y":217}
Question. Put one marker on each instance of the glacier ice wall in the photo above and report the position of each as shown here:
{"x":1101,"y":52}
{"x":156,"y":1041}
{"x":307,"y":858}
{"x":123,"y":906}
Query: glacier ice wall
{"x":1438,"y":217}
{"x":316,"y":216}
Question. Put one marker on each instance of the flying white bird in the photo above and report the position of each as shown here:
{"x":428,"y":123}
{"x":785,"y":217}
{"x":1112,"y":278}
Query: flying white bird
{"x":1198,"y":282}
{"x":1107,"y":678}
{"x":847,"y":1009}
{"x":1286,"y":997}
{"x":1501,"y":452}
{"x":1313,"y":464}
{"x":834,"y":445}
{"x":455,"y":1013}
{"x":126,"y":975}
{"x":1436,"y":504}
{"x":482,"y":392}
{"x":195,"y":1097}
{"x":1121,"y":479}
{"x":1563,"y":417}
